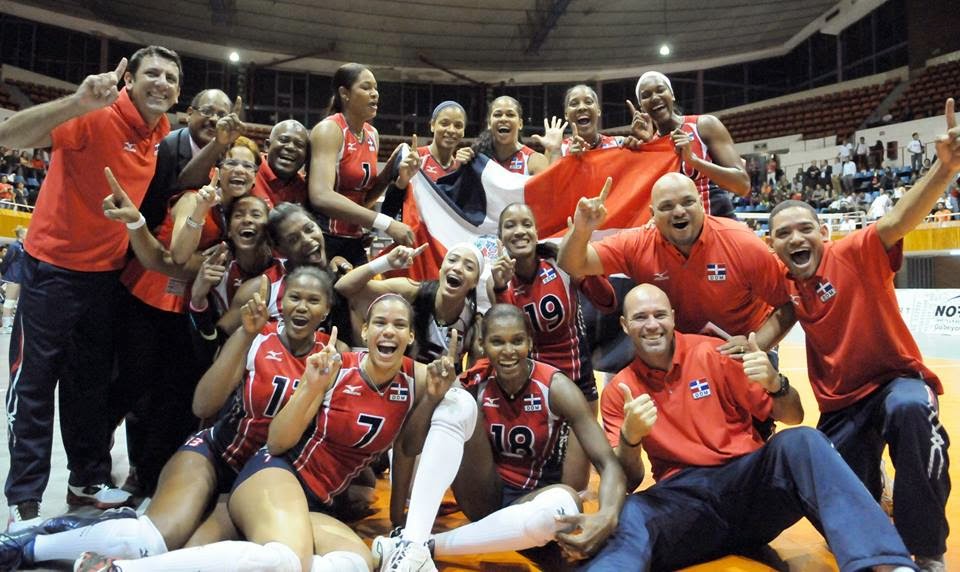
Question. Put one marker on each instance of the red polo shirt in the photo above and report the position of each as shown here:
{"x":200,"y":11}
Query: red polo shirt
{"x":68,"y":228}
{"x":731,"y":277}
{"x":705,"y":405}
{"x":275,"y":191}
{"x":856,"y":338}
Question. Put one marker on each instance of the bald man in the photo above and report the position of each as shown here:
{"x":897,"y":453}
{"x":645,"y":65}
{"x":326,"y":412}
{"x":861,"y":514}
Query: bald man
{"x":720,"y":488}
{"x":715,"y":270}
{"x":279,"y":179}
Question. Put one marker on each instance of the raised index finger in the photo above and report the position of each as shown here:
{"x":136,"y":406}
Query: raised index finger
{"x":605,"y":191}
{"x":454,"y":349}
{"x":950,"y":113}
{"x":264,"y":289}
{"x":215,"y":180}
{"x":414,"y":143}
{"x":121,"y":67}
{"x":633,"y":110}
{"x":114,"y":185}
{"x":237,"y":106}
{"x":333,"y":338}
{"x":419,"y":249}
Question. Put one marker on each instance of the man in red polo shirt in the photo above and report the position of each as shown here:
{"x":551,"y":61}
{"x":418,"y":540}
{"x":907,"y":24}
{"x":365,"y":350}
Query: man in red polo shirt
{"x":866,"y":370}
{"x":279,"y":179}
{"x":720,"y":488}
{"x":64,"y":327}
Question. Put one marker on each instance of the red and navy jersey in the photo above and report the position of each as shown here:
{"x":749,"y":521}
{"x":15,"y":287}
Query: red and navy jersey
{"x":271,"y":375}
{"x":431,"y":167}
{"x":522,"y":429}
{"x":518,"y":162}
{"x":606,"y":142}
{"x":234,"y":277}
{"x":551,"y":303}
{"x":356,"y":171}
{"x":355,"y":423}
{"x":699,"y":148}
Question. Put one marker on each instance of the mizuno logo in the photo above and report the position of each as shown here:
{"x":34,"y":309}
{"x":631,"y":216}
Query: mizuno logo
{"x":661,"y":276}
{"x":352,"y":389}
{"x":128,"y":146}
{"x":275,"y":356}
{"x":491,"y":402}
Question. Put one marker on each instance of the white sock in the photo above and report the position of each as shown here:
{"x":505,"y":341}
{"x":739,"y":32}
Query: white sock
{"x":452,"y":423}
{"x":226,"y":556}
{"x":515,"y":527}
{"x":339,"y":561}
{"x":119,"y":538}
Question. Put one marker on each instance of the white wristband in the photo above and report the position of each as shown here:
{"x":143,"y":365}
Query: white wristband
{"x":382,"y":222}
{"x":139,"y":222}
{"x":380,"y":265}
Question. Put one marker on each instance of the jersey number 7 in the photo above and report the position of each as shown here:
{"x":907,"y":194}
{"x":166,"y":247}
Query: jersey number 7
{"x":373,"y":424}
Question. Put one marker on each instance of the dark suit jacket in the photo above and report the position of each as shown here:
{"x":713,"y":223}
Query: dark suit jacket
{"x":172,"y":156}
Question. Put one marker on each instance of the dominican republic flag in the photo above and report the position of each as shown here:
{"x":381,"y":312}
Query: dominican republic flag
{"x":532,"y":403}
{"x":826,"y":290}
{"x":466,"y":204}
{"x":716,"y":272}
{"x":399,"y":393}
{"x":700,"y":388}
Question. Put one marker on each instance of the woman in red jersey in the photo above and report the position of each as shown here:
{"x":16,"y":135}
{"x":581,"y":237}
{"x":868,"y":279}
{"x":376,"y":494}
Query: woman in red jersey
{"x":344,"y":183}
{"x":501,"y":140}
{"x":528,"y":277}
{"x":253,"y":376}
{"x":347,"y":409}
{"x":704,"y":144}
{"x":503,"y":485}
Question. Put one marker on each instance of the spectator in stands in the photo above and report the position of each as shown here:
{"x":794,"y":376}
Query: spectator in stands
{"x":753,"y":169}
{"x":12,"y":267}
{"x":953,"y":199}
{"x":175,"y":151}
{"x":847,"y":174}
{"x":915,"y":148}
{"x":38,"y":165}
{"x":23,"y":196}
{"x":862,"y":153}
{"x":812,"y":176}
{"x":888,"y":179}
{"x":925,"y":168}
{"x":6,"y":189}
{"x":941,"y":213}
{"x":826,"y":173}
{"x":880,"y":206}
{"x":876,"y":155}
{"x":844,"y":151}
{"x":819,"y":198}
{"x":63,"y":334}
{"x":773,"y":170}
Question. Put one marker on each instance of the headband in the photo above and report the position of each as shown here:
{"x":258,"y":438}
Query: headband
{"x":657,"y":75}
{"x":446,"y":105}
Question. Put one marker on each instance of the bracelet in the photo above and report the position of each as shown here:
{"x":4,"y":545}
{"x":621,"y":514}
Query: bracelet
{"x":784,"y":387}
{"x":623,"y":439}
{"x":379,"y":265}
{"x":192,"y":223}
{"x":382,"y":222}
{"x":199,"y":309}
{"x":142,"y":221}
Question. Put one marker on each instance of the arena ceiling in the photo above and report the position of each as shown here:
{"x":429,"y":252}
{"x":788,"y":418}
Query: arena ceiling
{"x":489,"y":40}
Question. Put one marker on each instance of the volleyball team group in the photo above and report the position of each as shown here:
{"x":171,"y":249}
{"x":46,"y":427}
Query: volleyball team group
{"x":185,"y":277}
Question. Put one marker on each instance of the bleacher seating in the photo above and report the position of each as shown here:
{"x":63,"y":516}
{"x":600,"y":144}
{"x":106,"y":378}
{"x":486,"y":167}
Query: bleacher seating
{"x":5,"y":101}
{"x":40,"y":93}
{"x":821,"y":116}
{"x":926,"y":93}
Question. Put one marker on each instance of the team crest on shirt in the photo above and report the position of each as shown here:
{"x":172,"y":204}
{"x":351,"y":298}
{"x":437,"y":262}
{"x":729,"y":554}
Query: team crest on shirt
{"x":532,"y":403}
{"x":547,"y":274}
{"x":399,"y":393}
{"x":716,"y":272}
{"x":516,"y":163}
{"x":700,"y":388}
{"x":825,"y":290}
{"x":351,"y":389}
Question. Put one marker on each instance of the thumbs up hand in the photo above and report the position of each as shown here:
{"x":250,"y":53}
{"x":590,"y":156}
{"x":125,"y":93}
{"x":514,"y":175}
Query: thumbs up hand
{"x":757,"y":366}
{"x":639,"y":415}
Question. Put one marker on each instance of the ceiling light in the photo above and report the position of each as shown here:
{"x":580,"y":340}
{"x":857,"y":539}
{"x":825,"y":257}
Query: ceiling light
{"x":235,"y":57}
{"x":664,"y":50}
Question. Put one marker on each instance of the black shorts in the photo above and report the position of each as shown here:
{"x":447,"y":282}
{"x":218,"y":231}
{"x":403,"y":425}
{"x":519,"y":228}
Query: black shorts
{"x":201,"y":443}
{"x":510,"y":494}
{"x":264,"y":460}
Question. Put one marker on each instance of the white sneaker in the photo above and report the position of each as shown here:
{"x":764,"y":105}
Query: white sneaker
{"x":407,"y":556}
{"x":24,"y":515}
{"x":382,"y":548}
{"x":102,"y":496}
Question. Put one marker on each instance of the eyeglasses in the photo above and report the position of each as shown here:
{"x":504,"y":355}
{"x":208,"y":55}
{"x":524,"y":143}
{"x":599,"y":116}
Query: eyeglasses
{"x":234,"y":163}
{"x":209,"y":112}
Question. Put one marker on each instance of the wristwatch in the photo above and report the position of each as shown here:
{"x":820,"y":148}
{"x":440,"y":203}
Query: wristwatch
{"x":784,"y":387}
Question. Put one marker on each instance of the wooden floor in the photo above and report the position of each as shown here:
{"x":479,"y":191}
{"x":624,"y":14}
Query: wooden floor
{"x":800,"y":548}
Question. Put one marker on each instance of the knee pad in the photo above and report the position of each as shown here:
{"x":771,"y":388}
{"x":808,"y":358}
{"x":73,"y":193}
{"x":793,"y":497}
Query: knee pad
{"x":457,"y":412}
{"x":339,"y":561}
{"x":125,"y":538}
{"x":540,"y":525}
{"x":271,"y":556}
